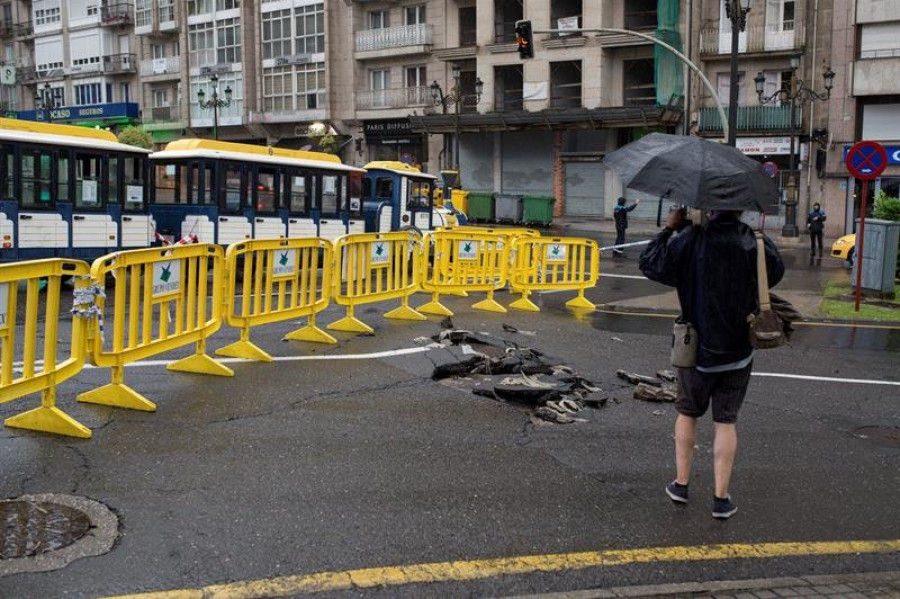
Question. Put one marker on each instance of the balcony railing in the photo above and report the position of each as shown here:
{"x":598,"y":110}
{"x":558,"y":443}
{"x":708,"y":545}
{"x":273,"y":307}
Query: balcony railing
{"x":771,"y":38}
{"x":161,"y":115}
{"x":121,"y":13}
{"x":7,"y":28}
{"x":404,"y":97}
{"x":24,"y":30}
{"x":393,"y":37}
{"x":161,"y":66}
{"x":111,"y":64}
{"x":754,"y":118}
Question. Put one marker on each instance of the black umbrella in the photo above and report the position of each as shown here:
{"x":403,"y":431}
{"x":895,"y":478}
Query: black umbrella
{"x":694,"y":171}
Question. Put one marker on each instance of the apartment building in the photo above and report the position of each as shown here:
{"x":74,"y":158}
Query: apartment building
{"x":75,"y":61}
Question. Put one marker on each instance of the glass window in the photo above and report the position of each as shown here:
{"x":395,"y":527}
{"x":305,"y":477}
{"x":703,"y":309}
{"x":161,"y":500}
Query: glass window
{"x":227,"y":4}
{"x":166,"y":10}
{"x":62,"y":179}
{"x":133,"y":183}
{"x":330,"y":194}
{"x":199,"y":7}
{"x":311,"y":86}
{"x":88,"y":181}
{"x":276,"y":33}
{"x":235,"y":196}
{"x":310,"y":28}
{"x":354,"y":193}
{"x":7,"y":172}
{"x":228,"y":41}
{"x":207,"y":197}
{"x":378,"y":19}
{"x":299,"y":195}
{"x":384,"y":188}
{"x":169,"y":184}
{"x":366,"y":188}
{"x":278,"y":89}
{"x":415,"y":15}
{"x":36,"y":179}
{"x":143,"y":13}
{"x":418,"y":194}
{"x":266,"y":185}
{"x":201,"y":44}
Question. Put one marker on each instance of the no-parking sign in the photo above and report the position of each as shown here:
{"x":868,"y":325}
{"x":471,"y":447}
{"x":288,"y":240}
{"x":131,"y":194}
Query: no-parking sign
{"x":867,"y":160}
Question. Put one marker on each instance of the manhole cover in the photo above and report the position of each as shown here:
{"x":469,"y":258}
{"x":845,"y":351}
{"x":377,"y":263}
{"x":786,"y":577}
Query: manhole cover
{"x":34,"y":527}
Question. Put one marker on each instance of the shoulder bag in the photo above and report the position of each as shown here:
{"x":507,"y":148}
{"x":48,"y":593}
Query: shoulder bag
{"x":770,"y":327}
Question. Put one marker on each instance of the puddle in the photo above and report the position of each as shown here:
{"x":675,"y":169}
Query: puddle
{"x":31,"y":528}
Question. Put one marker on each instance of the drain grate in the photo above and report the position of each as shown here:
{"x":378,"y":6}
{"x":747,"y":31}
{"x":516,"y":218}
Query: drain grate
{"x":31,"y":528}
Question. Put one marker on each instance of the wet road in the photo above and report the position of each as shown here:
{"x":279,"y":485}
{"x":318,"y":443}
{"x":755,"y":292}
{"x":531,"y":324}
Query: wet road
{"x":292,"y":468}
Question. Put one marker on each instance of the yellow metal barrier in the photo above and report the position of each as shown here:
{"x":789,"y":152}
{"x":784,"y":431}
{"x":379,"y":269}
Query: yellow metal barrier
{"x":555,"y":264}
{"x":162,"y":301}
{"x":466,"y":261}
{"x":373,"y":267}
{"x":35,"y":376}
{"x":280,"y":281}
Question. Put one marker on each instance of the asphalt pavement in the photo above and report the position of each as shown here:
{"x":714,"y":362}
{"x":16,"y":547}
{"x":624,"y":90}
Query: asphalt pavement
{"x":318,"y":464}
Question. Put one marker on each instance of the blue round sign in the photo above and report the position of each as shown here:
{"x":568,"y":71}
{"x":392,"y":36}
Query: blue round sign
{"x":867,"y":160}
{"x":770,"y":168}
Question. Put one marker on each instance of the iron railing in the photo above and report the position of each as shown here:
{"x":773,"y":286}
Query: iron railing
{"x":121,"y":13}
{"x":403,"y":97}
{"x":780,"y":37}
{"x":161,"y":66}
{"x":393,"y":37}
{"x":754,"y":118}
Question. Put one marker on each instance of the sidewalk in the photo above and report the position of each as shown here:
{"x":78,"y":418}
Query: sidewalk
{"x":881,"y":585}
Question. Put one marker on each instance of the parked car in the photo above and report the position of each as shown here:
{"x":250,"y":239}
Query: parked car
{"x":844,"y":248}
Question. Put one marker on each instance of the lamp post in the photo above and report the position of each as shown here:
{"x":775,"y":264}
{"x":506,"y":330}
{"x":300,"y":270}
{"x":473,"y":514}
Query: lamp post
{"x":455,"y":97}
{"x":43,"y":101}
{"x":736,"y":11}
{"x":214,"y":103}
{"x":796,"y":94}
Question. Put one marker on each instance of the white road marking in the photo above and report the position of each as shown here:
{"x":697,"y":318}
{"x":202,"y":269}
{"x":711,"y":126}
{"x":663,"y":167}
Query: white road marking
{"x":804,"y":377}
{"x":637,"y":277}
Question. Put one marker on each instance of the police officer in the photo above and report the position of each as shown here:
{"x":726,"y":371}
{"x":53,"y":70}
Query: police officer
{"x":620,"y":215}
{"x":816,"y":222}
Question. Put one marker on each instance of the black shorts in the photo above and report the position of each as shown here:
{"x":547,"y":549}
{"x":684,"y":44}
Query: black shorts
{"x":725,"y":389}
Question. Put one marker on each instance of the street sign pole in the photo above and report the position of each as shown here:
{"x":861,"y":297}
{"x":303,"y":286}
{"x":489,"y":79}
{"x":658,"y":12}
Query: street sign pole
{"x":866,"y":161}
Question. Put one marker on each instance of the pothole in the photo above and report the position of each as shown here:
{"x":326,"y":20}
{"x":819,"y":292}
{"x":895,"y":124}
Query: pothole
{"x":888,"y":436}
{"x":48,"y":531}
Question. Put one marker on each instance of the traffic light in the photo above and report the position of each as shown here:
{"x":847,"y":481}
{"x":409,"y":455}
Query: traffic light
{"x":525,"y":39}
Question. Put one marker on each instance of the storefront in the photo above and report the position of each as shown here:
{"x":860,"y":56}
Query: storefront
{"x":393,"y":139}
{"x":112,"y":115}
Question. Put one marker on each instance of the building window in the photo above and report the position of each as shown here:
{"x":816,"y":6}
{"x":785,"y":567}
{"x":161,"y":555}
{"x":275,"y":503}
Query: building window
{"x":228,"y":41}
{"x":380,"y":79}
{"x":880,"y":40}
{"x":201,"y":44}
{"x":143,"y":13}
{"x":233,"y":80}
{"x":125,"y":92}
{"x":227,"y":4}
{"x":640,"y":14}
{"x":88,"y":93}
{"x":311,"y":86}
{"x":415,"y":15}
{"x":378,"y":19}
{"x":468,"y":26}
{"x":58,"y":96}
{"x":310,"y":29}
{"x":565,"y":84}
{"x":157,"y":51}
{"x":416,"y":76}
{"x":166,"y":11}
{"x":276,"y":33}
{"x":780,"y":15}
{"x":639,"y":82}
{"x":160,"y":98}
{"x":278,"y":90}
{"x":775,"y":80}
{"x":508,"y":84}
{"x":723,"y":85}
{"x":199,"y":7}
{"x":506,"y":13}
{"x":92,"y":10}
{"x":417,"y":91}
{"x":566,"y":14}
{"x":299,"y":87}
{"x":47,"y":16}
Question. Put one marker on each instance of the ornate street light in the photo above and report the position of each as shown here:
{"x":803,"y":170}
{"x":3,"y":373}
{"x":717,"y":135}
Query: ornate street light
{"x":214,"y":103}
{"x":736,"y":11}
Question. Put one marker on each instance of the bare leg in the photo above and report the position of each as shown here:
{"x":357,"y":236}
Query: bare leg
{"x":724,"y":449}
{"x":685,"y":439}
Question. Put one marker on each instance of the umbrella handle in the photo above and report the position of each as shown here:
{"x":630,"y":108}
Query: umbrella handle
{"x":659,"y":209}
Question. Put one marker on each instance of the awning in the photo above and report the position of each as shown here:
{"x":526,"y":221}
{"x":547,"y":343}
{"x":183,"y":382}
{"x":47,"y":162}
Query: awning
{"x":595,"y":118}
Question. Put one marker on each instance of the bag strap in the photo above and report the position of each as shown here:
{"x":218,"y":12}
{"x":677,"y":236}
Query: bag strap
{"x":762,"y":277}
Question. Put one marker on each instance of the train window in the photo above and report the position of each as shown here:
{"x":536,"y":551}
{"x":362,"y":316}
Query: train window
{"x":235,"y":193}
{"x":418,"y":194}
{"x":330,"y":194}
{"x":354,"y":191}
{"x":205,"y":196}
{"x":366,"y":188}
{"x":299,"y":195}
{"x":36,"y":179}
{"x":88,"y":181}
{"x":266,"y":184}
{"x":62,"y":179}
{"x":7,"y":172}
{"x":169,"y":181}
{"x":113,"y":188}
{"x":134,"y":182}
{"x":384,"y":188}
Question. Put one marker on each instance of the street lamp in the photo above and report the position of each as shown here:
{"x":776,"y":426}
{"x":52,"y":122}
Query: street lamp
{"x":736,"y":11}
{"x":796,"y":94}
{"x":214,"y":103}
{"x":43,"y":101}
{"x":455,"y":97}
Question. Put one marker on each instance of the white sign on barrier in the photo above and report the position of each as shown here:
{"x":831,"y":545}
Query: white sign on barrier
{"x":4,"y":306}
{"x":166,"y":278}
{"x":284,"y":263}
{"x":381,"y":253}
{"x":468,"y":250}
{"x":556,"y":253}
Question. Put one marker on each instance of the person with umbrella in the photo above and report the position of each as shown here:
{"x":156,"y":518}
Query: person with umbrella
{"x":620,"y":215}
{"x":713,"y":268}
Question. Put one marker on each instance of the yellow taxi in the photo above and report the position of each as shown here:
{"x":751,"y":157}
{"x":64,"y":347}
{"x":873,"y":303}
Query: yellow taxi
{"x":844,"y":248}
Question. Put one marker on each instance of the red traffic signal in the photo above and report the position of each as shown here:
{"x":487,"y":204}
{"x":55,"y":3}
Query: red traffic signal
{"x":525,"y":39}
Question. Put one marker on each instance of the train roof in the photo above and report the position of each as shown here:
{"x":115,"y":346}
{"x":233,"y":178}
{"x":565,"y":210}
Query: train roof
{"x":401,"y":168}
{"x":63,"y":135}
{"x":208,"y":148}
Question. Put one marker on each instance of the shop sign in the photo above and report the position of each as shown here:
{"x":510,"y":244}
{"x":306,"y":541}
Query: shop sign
{"x":893,"y":154}
{"x":90,"y":112}
{"x":755,"y":146}
{"x":388,"y":128}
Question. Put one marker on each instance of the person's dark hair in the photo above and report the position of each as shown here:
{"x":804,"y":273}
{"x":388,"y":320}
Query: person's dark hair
{"x":816,"y":206}
{"x":621,"y":200}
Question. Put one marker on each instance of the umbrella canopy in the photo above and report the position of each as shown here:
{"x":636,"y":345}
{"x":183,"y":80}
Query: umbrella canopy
{"x":695,"y":171}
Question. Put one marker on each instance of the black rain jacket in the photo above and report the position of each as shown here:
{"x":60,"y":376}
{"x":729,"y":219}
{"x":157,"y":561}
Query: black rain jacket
{"x":714,"y":270}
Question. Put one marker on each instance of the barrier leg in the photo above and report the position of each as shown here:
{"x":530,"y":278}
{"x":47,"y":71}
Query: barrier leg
{"x":435,"y":307}
{"x":581,"y":302}
{"x":405,"y":312}
{"x":311,"y":333}
{"x":525,"y":303}
{"x":350,"y":324}
{"x":118,"y":395}
{"x":490,"y":304}
{"x":244,"y":349}
{"x":200,"y":363}
{"x":49,"y":419}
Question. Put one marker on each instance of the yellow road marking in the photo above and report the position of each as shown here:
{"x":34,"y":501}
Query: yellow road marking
{"x":456,"y":571}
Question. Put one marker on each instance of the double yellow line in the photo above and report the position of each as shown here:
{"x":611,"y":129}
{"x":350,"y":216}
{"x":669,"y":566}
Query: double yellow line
{"x":457,"y":571}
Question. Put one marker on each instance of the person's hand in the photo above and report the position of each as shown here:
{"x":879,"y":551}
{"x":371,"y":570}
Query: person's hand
{"x":637,"y":201}
{"x":675,"y":219}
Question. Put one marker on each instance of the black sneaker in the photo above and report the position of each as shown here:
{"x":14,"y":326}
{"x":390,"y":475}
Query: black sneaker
{"x":723,"y":508}
{"x":677,"y":493}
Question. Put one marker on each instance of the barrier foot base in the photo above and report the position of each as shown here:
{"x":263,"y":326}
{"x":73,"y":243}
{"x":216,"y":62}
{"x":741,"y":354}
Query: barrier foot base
{"x":310,"y":333}
{"x":436,"y":308}
{"x":244,"y":350}
{"x":404,"y":313}
{"x":350,"y":324}
{"x":200,"y":364}
{"x":525,"y":304}
{"x":581,"y":302}
{"x":49,"y":420}
{"x":118,"y":395}
{"x":489,"y":305}
{"x":458,"y":293}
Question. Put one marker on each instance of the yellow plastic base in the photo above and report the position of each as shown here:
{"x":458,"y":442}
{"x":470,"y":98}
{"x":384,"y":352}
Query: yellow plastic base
{"x":200,"y":364}
{"x":49,"y":420}
{"x":525,"y":304}
{"x":581,"y":302}
{"x":489,"y":305}
{"x":244,"y":350}
{"x":310,"y":333}
{"x":458,"y":293}
{"x":350,"y":324}
{"x":436,"y":308}
{"x":118,"y":395}
{"x":404,"y":313}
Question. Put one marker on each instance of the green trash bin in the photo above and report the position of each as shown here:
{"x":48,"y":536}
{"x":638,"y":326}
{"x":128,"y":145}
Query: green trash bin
{"x":481,"y":206}
{"x":537,"y":210}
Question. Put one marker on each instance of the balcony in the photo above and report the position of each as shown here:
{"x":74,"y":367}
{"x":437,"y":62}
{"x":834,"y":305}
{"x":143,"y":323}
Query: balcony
{"x":24,"y":31}
{"x":784,"y":37}
{"x":877,"y":76}
{"x":121,"y":13}
{"x":404,"y":97}
{"x":163,"y":118}
{"x":7,"y":29}
{"x":393,"y":41}
{"x":169,"y":65}
{"x":111,"y":65}
{"x":753,"y":118}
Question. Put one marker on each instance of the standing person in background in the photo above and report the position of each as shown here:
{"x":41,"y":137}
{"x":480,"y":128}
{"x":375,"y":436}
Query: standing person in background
{"x":816,"y":222}
{"x":620,"y":215}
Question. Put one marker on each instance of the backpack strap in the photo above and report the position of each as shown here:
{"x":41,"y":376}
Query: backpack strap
{"x":762,"y":278}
